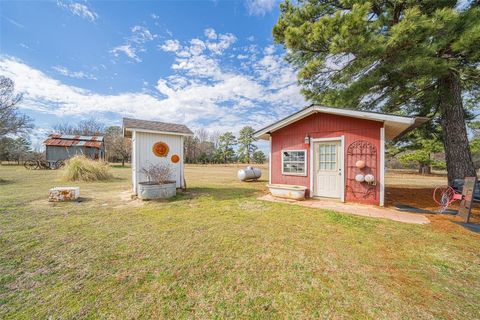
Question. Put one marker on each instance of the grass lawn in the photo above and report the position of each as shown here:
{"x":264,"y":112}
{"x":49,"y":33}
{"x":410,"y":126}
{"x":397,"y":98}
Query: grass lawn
{"x":218,"y":252}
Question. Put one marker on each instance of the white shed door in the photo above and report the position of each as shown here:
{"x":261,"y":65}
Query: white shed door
{"x":327,"y":169}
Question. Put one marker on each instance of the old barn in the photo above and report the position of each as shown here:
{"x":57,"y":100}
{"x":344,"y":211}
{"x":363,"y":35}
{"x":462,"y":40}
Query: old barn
{"x":60,"y":147}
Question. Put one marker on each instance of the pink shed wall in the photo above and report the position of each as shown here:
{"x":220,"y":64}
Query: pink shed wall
{"x":322,"y":125}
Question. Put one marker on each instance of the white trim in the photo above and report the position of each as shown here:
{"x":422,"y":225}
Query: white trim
{"x":397,"y":124}
{"x":382,"y":166}
{"x":160,"y":132}
{"x":306,"y":163}
{"x":134,"y":161}
{"x":270,"y":163}
{"x":341,"y":164}
{"x":182,"y":165}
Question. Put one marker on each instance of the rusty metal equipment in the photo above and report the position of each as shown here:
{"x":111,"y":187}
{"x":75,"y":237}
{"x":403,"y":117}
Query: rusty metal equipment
{"x":444,"y":196}
{"x":43,"y":164}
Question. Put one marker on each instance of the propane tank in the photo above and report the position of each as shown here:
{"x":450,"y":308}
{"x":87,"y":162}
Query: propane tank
{"x":249,"y":173}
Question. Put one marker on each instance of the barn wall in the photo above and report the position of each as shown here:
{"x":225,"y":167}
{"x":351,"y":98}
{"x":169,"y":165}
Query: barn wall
{"x":321,"y":125}
{"x":54,"y":153}
{"x":144,"y":155}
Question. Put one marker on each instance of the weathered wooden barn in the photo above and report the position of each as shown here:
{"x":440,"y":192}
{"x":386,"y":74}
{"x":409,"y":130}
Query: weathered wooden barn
{"x":64,"y":146}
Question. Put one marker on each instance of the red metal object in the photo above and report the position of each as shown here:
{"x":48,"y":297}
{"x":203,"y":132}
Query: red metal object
{"x":444,"y":196}
{"x":361,"y":150}
{"x":322,"y":125}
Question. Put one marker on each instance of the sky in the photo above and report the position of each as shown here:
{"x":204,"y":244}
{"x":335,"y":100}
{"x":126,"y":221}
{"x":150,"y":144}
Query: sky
{"x":206,"y":64}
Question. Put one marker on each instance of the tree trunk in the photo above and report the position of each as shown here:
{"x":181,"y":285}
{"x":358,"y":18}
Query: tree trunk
{"x":424,"y":169}
{"x":455,"y":140}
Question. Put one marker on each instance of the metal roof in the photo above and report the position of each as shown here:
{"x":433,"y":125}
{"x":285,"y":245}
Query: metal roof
{"x":67,"y":140}
{"x":395,"y":125}
{"x":130,"y":125}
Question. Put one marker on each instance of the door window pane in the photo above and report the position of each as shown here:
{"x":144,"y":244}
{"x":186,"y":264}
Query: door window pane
{"x":327,"y":156}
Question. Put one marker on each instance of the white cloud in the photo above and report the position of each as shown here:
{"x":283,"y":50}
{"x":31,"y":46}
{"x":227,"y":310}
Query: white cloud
{"x":154,"y":16}
{"x":14,"y":22}
{"x":223,"y":43}
{"x":73,"y":74}
{"x":134,"y":43}
{"x":210,"y":33}
{"x":79,"y":9}
{"x":128,"y":50}
{"x":202,"y":90}
{"x":170,"y":46}
{"x":141,"y":35}
{"x":260,"y":7}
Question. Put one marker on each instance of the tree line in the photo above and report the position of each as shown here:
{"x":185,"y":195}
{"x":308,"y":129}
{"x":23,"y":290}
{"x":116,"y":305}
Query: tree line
{"x":224,"y":148}
{"x":203,"y":147}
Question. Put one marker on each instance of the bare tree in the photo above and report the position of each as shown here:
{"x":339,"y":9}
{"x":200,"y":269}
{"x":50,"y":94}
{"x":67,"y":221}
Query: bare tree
{"x":11,"y":121}
{"x":118,"y":147}
{"x":88,"y":127}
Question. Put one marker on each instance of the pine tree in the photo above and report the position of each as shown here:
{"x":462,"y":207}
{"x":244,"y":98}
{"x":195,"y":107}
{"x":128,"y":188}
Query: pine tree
{"x":259,"y":157}
{"x":246,"y":148}
{"x":404,"y":57}
{"x":225,"y":147}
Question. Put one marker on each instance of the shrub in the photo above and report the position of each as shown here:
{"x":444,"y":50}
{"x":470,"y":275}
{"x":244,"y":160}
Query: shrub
{"x":158,"y":173}
{"x":80,"y":168}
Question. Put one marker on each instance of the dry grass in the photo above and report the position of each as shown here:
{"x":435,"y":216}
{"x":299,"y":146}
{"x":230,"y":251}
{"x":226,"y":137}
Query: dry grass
{"x":217,"y":252}
{"x":81,"y":168}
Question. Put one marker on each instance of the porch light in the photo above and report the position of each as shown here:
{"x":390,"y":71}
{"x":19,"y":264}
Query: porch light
{"x":307,"y":139}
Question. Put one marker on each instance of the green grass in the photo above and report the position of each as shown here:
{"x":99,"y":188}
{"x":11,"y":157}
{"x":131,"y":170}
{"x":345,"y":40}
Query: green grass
{"x":218,"y":252}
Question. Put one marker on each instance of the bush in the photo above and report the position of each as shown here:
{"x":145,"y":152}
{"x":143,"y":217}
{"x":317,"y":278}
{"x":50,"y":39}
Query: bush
{"x":158,"y":173}
{"x":80,"y":168}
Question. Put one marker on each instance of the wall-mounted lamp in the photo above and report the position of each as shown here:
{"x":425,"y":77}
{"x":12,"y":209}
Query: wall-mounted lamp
{"x":307,"y":139}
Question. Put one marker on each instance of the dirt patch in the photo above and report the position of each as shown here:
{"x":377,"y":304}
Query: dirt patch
{"x":422,"y":198}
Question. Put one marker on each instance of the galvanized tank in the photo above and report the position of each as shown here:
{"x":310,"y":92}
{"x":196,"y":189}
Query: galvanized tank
{"x":249,"y":173}
{"x":152,"y":191}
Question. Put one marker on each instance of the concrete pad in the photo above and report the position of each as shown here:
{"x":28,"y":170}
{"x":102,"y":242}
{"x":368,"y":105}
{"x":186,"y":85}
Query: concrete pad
{"x":356,"y":209}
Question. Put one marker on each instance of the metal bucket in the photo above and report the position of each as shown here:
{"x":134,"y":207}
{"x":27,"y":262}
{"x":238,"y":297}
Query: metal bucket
{"x":249,"y":173}
{"x":152,"y":190}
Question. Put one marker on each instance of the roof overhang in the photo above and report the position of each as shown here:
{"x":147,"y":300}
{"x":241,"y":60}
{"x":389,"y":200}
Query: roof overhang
{"x":127,"y":132}
{"x":394,"y":125}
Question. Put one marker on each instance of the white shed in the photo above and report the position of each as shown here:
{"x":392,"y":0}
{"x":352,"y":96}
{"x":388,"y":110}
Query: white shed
{"x":156,"y":142}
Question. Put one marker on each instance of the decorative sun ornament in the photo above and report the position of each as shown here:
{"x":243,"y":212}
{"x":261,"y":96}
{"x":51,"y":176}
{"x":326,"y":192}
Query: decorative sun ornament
{"x":175,"y":158}
{"x":160,"y":149}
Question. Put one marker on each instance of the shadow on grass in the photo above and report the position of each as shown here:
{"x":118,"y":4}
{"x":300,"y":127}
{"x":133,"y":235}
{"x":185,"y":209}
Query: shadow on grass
{"x":3,"y":182}
{"x":227,"y":193}
{"x":470,"y":226}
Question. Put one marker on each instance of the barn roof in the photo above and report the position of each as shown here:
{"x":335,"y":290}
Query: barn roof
{"x":68,"y":140}
{"x":395,"y":126}
{"x":130,"y":125}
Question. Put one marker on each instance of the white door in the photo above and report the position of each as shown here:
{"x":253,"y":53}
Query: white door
{"x":327,"y":169}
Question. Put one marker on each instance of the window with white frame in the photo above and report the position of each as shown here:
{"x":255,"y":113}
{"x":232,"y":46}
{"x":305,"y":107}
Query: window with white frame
{"x":294,"y":162}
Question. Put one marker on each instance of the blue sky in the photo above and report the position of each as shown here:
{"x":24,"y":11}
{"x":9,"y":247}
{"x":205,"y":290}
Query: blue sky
{"x":210,"y":64}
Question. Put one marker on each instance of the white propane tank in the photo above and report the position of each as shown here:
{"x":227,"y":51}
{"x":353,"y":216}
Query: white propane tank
{"x":249,"y":173}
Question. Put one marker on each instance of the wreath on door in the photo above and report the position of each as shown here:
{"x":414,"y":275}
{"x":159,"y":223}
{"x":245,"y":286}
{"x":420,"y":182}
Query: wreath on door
{"x":160,"y":149}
